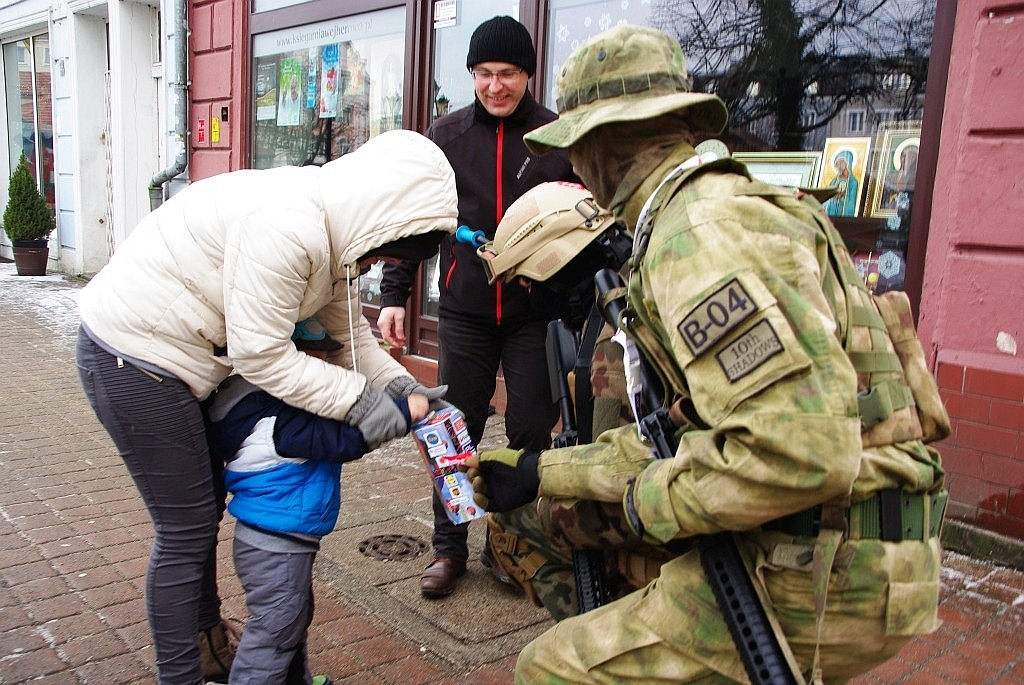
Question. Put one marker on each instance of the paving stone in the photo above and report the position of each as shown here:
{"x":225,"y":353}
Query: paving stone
{"x":74,"y":542}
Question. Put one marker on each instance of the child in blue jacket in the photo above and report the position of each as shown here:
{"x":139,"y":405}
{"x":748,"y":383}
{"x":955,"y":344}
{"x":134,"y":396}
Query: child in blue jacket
{"x":283,"y":468}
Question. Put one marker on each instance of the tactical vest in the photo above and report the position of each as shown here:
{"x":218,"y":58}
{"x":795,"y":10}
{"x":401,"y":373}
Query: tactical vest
{"x":897,"y":395}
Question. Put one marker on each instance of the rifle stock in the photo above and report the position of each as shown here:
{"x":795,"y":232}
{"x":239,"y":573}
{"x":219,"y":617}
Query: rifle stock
{"x":588,"y":565}
{"x":756,"y":642}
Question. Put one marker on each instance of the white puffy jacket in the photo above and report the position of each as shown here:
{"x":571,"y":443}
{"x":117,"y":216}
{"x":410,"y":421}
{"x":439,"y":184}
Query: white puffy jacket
{"x":236,"y":259}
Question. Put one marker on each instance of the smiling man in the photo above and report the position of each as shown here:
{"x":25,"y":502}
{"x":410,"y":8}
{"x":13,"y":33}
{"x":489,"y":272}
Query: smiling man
{"x":479,"y":325}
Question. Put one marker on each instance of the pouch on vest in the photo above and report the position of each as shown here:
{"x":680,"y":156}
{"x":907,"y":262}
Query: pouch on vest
{"x":894,"y":306}
{"x":897,"y":395}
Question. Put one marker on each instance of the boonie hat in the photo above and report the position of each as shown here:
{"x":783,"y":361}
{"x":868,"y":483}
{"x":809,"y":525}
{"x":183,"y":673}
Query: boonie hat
{"x":627,"y":73}
{"x":542,"y":231}
{"x":311,"y":335}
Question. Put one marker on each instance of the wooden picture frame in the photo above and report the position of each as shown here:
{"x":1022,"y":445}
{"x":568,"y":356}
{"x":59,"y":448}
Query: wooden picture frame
{"x":789,"y":169}
{"x":845,"y":153}
{"x":896,"y":166}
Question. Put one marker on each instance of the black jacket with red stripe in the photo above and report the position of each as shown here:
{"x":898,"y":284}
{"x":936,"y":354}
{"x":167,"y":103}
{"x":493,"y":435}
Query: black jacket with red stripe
{"x":493,"y":168}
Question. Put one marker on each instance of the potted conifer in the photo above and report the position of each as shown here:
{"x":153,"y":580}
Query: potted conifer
{"x":28,"y":221}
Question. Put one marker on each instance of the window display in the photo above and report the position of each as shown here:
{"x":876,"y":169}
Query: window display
{"x":322,"y":90}
{"x":29,"y":119}
{"x":799,"y":78}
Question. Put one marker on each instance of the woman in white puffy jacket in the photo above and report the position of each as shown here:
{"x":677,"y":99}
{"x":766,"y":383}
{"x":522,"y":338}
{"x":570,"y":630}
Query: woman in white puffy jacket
{"x":215,"y":280}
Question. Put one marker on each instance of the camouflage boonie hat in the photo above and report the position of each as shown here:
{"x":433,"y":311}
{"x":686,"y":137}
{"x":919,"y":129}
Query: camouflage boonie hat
{"x":627,"y":73}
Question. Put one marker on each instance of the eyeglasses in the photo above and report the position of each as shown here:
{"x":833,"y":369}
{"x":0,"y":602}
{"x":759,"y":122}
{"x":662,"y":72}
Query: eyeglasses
{"x":506,"y":77}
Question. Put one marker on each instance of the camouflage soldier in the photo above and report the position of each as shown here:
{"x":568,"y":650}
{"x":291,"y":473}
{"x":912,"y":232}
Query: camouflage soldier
{"x":552,"y":241}
{"x":808,"y":403}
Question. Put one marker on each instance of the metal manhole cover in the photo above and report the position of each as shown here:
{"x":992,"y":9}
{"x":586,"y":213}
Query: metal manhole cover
{"x":393,"y":547}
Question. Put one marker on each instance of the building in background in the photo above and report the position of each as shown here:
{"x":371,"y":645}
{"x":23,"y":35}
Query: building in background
{"x":119,"y":104}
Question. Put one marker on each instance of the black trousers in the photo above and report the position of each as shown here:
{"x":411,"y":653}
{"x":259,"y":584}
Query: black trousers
{"x":471,"y":351}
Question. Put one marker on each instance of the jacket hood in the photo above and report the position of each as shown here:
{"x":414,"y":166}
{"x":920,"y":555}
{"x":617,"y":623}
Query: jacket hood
{"x":396,"y":185}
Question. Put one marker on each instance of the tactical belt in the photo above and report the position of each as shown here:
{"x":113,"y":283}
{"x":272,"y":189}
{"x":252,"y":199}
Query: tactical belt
{"x":890,"y":515}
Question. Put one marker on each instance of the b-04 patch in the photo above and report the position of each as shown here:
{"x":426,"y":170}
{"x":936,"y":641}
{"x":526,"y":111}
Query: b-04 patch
{"x":716,"y":316}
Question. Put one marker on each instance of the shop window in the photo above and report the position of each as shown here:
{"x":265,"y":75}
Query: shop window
{"x":322,"y":90}
{"x":30,"y":119}
{"x":810,"y":93}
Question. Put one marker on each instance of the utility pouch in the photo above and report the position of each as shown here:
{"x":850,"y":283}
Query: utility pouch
{"x":894,"y":306}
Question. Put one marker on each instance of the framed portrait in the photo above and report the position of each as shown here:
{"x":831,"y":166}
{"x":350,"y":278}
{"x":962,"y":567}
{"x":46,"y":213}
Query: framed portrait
{"x":896,"y":168}
{"x":790,"y":169}
{"x":844,"y":164}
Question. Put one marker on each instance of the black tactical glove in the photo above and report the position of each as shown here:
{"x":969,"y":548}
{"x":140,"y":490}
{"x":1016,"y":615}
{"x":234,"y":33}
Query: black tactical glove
{"x":504,"y":479}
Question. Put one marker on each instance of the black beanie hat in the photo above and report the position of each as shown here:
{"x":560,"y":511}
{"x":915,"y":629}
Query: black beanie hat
{"x":502,"y":39}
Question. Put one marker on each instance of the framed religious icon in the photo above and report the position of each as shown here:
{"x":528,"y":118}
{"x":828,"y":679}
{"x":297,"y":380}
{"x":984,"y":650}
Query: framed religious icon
{"x":790,"y":169}
{"x":844,"y":164}
{"x":896,"y":168}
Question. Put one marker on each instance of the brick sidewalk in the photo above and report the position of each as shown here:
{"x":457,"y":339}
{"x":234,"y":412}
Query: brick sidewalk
{"x":74,"y":540}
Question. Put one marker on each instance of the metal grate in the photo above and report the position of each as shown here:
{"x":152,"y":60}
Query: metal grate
{"x":393,"y":547}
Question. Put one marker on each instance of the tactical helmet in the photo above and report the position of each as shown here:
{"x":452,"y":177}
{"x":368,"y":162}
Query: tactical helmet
{"x":543,"y":231}
{"x":627,"y":73}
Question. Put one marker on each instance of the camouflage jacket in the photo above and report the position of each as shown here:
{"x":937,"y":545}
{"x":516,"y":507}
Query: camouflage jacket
{"x":744,"y":301}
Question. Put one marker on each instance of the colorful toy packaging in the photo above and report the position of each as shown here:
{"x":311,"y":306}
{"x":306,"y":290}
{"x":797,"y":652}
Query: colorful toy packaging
{"x":444,"y":444}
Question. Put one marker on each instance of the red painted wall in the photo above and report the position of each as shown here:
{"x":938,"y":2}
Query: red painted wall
{"x":218,"y":68}
{"x":972,"y":303}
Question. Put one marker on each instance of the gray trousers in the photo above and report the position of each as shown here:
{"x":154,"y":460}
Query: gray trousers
{"x":279,"y":595}
{"x":158,"y":429}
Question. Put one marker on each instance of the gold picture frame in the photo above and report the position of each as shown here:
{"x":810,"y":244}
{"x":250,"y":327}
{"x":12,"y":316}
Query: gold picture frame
{"x":896,"y":166}
{"x":842,"y":155}
{"x":788,"y":169}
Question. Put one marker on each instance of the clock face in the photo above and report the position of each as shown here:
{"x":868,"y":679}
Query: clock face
{"x":712,"y":149}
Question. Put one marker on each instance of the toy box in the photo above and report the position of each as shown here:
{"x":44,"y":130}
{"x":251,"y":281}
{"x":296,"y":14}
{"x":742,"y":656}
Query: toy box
{"x":444,"y":443}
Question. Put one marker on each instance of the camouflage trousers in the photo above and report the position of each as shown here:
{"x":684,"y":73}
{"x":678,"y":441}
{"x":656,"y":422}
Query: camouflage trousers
{"x":535,"y":544}
{"x":880,"y":595}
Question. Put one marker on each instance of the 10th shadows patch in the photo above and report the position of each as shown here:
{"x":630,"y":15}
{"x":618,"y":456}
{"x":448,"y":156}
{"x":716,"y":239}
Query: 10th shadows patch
{"x":717,"y":316}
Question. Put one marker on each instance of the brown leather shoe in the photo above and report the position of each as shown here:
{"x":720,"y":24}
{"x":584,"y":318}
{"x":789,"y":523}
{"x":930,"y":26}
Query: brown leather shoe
{"x":217,"y":647}
{"x":438,"y":579}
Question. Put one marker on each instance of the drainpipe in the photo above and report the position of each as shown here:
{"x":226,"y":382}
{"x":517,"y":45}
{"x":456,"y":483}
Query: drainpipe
{"x":178,"y":88}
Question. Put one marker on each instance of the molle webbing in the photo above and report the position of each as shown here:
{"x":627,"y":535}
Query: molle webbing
{"x":881,"y":383}
{"x":641,"y":326}
{"x":882,"y":390}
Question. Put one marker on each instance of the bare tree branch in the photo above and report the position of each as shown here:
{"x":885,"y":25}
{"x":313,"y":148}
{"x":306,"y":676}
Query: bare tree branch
{"x":787,"y":68}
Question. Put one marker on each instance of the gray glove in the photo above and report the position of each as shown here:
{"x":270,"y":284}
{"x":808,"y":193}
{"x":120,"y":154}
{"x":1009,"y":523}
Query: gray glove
{"x":377,"y":417}
{"x":403,"y":386}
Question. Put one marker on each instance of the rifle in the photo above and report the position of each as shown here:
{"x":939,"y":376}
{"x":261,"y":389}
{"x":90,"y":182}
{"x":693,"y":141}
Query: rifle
{"x":562,"y":352}
{"x":748,"y":624}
